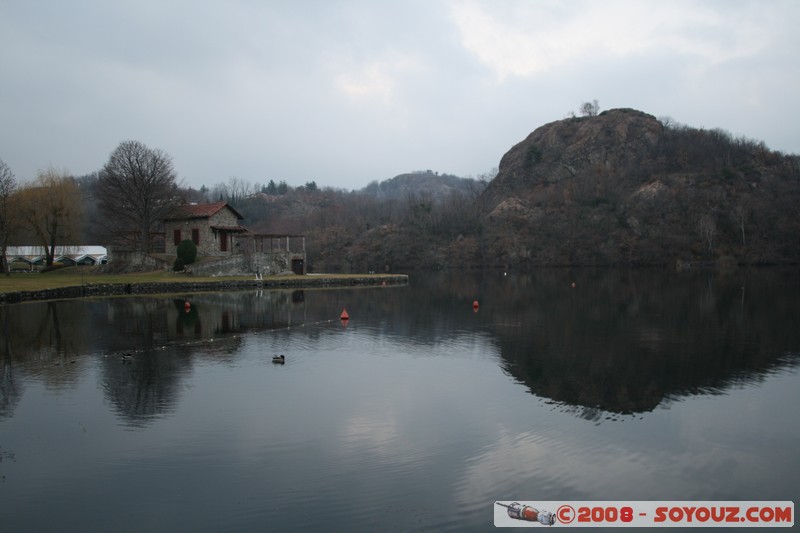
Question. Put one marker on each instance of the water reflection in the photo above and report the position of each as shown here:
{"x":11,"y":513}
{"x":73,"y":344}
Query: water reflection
{"x":143,"y":388}
{"x":54,"y":343}
{"x":10,"y":389}
{"x":624,"y":342}
{"x":418,"y":405}
{"x":619,"y":342}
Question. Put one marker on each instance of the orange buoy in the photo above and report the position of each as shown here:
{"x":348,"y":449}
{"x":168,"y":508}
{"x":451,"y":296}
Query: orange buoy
{"x":344,"y":315}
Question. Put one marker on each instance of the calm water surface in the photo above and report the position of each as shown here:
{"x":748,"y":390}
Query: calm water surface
{"x":416,"y":415}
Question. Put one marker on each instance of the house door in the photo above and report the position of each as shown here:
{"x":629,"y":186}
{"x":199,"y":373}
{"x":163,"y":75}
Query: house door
{"x":223,"y":241}
{"x":297,"y":266}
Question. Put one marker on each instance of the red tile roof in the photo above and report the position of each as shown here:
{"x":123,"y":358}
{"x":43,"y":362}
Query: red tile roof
{"x":202,"y":211}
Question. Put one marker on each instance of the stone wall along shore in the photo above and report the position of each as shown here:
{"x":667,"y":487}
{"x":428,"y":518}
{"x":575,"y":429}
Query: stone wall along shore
{"x":120,"y":289}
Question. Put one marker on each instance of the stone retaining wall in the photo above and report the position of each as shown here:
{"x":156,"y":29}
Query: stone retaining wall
{"x":132,"y":261}
{"x":113,"y":289}
{"x":264,"y":263}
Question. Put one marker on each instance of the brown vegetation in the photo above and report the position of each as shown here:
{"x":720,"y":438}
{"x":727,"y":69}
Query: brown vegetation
{"x":624,"y":188}
{"x":614,"y":188}
{"x":618,"y":188}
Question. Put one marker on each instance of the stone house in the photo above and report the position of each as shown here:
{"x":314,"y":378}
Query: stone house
{"x":229,"y":247}
{"x":212,"y":227}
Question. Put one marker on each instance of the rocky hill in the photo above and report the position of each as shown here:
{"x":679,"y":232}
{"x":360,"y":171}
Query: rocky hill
{"x":619,"y":188}
{"x":624,"y":188}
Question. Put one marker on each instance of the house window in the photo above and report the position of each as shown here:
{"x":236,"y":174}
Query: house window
{"x":196,"y":236}
{"x":176,"y":237}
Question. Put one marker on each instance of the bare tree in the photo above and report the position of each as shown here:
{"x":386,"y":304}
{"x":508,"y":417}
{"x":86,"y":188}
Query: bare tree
{"x":220,"y":192}
{"x":52,"y":207}
{"x":740,"y":216}
{"x":235,"y":191}
{"x":708,"y":230}
{"x":590,"y":109}
{"x":239,"y":189}
{"x":8,"y":218}
{"x":136,"y":190}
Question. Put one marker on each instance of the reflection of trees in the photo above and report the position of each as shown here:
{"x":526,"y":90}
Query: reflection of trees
{"x":625,"y":342}
{"x":10,"y":388}
{"x":140,"y":323}
{"x":40,"y":334}
{"x":166,"y":339}
{"x":144,"y":387}
{"x":53,"y":340}
{"x":620,"y":342}
{"x":39,"y":338}
{"x":46,"y":330}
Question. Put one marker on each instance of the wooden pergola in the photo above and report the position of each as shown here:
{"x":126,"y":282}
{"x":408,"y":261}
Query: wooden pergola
{"x":270,"y":242}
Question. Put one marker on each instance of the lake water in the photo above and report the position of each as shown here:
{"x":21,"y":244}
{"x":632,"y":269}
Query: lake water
{"x":418,"y":414}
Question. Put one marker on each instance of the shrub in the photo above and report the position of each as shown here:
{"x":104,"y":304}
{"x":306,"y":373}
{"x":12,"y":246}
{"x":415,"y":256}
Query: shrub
{"x":187,"y":251}
{"x":534,"y":155}
{"x":177,"y":266}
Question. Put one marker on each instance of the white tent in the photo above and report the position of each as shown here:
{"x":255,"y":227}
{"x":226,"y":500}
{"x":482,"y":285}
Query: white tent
{"x":34,"y":255}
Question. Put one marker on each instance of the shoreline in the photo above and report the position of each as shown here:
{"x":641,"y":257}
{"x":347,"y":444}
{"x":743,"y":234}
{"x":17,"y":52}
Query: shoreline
{"x":89,"y":290}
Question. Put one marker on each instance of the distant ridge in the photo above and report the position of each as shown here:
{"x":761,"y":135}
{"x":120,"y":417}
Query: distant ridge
{"x":423,"y":182}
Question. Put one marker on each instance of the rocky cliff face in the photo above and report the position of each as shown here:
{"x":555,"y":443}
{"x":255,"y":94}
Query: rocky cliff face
{"x":573,"y":148}
{"x":622,"y":188}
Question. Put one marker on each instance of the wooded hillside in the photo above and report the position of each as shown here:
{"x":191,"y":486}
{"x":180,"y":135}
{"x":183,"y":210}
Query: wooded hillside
{"x":620,"y":188}
{"x":625,"y":188}
{"x":615,"y":188}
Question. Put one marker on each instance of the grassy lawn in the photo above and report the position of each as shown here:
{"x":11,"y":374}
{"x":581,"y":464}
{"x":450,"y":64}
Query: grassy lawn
{"x":72,"y":276}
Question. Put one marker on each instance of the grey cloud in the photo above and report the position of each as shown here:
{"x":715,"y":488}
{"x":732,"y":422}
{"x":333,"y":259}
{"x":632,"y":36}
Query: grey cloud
{"x":346,"y":92}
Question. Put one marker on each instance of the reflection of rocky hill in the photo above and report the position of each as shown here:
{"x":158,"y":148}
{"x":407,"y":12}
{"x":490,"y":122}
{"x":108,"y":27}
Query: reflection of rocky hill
{"x":626,"y":342}
{"x":619,"y":342}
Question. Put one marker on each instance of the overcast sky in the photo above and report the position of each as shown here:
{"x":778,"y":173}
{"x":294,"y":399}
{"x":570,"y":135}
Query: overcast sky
{"x":346,"y":92}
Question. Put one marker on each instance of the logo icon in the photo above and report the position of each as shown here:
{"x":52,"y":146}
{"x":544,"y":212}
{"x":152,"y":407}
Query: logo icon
{"x":529,"y":514}
{"x":565,"y":514}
